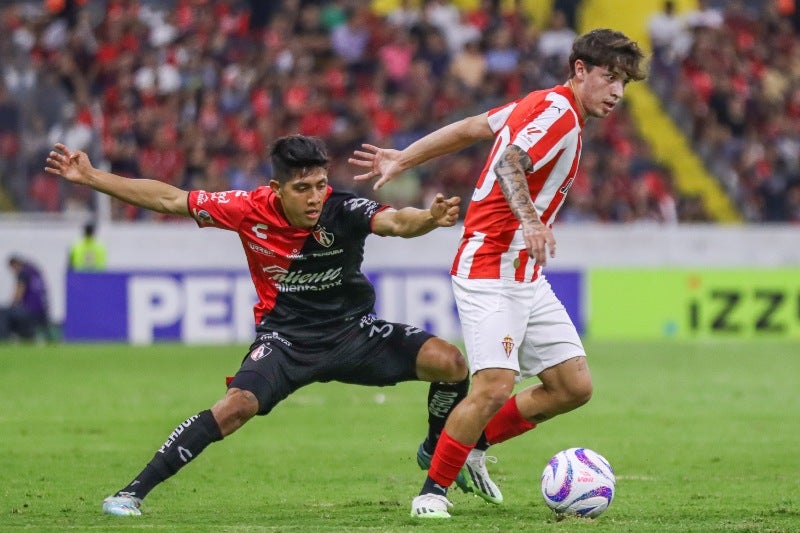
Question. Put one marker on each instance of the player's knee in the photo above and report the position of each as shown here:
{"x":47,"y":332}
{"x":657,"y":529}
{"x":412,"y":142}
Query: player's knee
{"x":439,"y":360}
{"x":579,"y":393}
{"x":455,"y":364}
{"x":491,"y":395}
{"x":245,"y":405}
{"x":235,"y":409}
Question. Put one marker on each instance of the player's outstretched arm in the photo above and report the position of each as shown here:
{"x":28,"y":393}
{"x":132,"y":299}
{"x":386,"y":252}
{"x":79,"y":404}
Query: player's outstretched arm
{"x":413,"y":222}
{"x":386,"y":164}
{"x":75,"y":167}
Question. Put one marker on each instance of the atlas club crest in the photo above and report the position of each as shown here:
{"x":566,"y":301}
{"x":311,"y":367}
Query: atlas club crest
{"x":323,"y":236}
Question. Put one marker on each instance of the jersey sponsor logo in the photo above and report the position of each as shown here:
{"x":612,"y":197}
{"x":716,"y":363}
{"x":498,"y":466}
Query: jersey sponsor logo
{"x":203,"y":216}
{"x":257,"y":248}
{"x":335,"y":251}
{"x":273,"y":336}
{"x":508,"y":345}
{"x":202,"y":197}
{"x":323,"y":236}
{"x":370,"y":207}
{"x":220,"y":197}
{"x":300,"y":281}
{"x":259,"y":230}
{"x":260,"y":352}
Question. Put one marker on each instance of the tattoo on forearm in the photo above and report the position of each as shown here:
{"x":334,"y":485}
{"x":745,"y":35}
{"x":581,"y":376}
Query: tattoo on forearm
{"x":510,"y":171}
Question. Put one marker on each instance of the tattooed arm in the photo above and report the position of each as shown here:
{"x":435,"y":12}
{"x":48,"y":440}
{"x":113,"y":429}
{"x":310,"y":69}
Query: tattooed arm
{"x":510,"y":171}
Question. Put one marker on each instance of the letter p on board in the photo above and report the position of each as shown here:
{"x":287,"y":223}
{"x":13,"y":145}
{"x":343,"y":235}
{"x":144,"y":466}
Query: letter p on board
{"x":153,"y":301}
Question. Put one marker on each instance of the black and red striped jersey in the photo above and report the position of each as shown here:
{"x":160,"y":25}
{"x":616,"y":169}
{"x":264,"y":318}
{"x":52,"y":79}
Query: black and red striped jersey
{"x":305,"y":279}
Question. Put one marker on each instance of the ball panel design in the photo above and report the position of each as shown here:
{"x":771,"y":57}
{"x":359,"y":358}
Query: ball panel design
{"x":578,"y":481}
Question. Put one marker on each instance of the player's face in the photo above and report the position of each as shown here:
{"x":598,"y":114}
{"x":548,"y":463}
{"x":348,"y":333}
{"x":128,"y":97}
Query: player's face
{"x":302,"y":197}
{"x":600,"y":89}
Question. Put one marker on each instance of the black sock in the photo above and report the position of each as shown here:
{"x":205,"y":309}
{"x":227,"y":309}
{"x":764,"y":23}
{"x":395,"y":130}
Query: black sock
{"x":184,"y":444}
{"x":431,"y":487}
{"x":482,"y":444}
{"x":442,"y":398}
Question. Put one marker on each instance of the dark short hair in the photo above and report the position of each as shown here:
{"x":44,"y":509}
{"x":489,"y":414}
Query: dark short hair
{"x":295,"y":154}
{"x":610,"y":49}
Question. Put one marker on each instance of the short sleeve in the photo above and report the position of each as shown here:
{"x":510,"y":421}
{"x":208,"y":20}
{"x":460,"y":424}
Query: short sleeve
{"x":223,"y":210}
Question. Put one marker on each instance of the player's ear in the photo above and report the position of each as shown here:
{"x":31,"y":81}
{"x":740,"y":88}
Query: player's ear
{"x":276,"y":187}
{"x":580,"y":69}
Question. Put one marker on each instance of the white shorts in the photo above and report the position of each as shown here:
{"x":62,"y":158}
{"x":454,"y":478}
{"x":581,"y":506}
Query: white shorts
{"x":521,"y":326}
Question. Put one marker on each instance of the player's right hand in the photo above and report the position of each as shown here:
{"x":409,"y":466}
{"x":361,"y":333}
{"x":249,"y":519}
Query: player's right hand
{"x":381,"y":162}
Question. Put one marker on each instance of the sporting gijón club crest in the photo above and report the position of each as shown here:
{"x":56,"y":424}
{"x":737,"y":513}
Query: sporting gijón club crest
{"x":508,"y":345}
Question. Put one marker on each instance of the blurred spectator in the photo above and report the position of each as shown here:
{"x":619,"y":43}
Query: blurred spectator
{"x":10,"y":129}
{"x":27,"y":315}
{"x":669,"y":41}
{"x":449,"y":20}
{"x":469,"y":66}
{"x":555,"y":42}
{"x":570,"y":10}
{"x":351,"y":39}
{"x":74,"y":127}
{"x":87,"y":253}
{"x":405,"y":16}
{"x":705,"y":16}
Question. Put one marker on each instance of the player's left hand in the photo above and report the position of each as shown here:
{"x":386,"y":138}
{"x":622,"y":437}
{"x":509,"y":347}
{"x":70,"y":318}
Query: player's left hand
{"x":539,"y":241}
{"x":445,"y":211}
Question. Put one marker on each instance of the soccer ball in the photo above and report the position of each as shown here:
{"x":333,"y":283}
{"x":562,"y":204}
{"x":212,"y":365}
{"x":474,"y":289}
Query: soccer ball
{"x":578,"y":481}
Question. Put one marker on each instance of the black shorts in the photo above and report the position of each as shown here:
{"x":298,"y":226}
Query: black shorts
{"x":369,"y":351}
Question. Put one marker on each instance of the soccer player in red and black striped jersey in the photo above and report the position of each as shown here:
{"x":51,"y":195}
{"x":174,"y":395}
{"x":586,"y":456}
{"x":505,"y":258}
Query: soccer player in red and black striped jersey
{"x":514,"y":326}
{"x":314,"y":318}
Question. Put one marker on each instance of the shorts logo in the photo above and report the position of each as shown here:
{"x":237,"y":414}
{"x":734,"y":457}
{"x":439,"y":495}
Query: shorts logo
{"x":260,"y":353}
{"x":508,"y":345}
{"x":323,"y":236}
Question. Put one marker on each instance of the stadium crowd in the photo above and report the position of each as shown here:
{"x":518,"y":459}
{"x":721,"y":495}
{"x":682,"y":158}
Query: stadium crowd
{"x":192,"y":92}
{"x":729,"y":74}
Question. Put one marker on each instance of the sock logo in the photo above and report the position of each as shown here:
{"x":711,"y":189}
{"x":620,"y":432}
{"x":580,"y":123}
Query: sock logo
{"x":441,"y":403}
{"x":176,"y":433}
{"x":184,"y":454}
{"x":438,"y":487}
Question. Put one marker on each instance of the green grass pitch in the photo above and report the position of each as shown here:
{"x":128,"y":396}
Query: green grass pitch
{"x":703,"y":437}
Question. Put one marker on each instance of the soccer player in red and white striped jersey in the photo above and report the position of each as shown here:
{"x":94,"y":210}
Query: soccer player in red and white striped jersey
{"x":513,"y":324}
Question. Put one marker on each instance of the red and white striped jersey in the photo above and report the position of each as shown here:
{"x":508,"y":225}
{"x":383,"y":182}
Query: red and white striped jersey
{"x":547,"y":125}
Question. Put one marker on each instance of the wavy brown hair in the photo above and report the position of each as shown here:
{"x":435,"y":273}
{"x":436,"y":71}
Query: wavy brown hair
{"x":610,"y":49}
